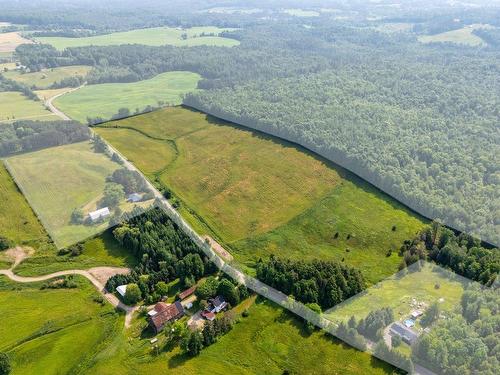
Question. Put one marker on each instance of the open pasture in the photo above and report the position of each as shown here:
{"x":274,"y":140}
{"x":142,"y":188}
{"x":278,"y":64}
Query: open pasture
{"x":460,"y":36}
{"x":9,"y":41}
{"x":46,"y":77}
{"x":104,"y":100}
{"x":259,"y":196}
{"x":15,"y":106}
{"x":57,"y":330}
{"x":17,"y":220}
{"x":157,"y":36}
{"x":58,"y":180}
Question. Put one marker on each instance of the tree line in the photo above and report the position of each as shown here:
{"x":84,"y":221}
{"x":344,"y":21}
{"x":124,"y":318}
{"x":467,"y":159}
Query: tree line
{"x":26,"y":135}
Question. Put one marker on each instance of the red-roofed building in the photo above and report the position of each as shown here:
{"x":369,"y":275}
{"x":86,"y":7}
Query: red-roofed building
{"x":163,"y":313}
{"x":208,"y":315}
{"x":187,"y":293}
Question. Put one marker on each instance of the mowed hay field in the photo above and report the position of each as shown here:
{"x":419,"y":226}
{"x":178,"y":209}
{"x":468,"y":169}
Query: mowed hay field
{"x":46,"y":77}
{"x":259,"y":196}
{"x":56,"y":330}
{"x":104,"y":100}
{"x":268,"y":341}
{"x":60,"y":179}
{"x":157,"y":36}
{"x":460,"y":36}
{"x":9,"y":41}
{"x":17,"y":220}
{"x":15,"y":106}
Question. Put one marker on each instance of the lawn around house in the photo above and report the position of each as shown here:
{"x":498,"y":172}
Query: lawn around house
{"x":104,"y":100}
{"x":269,"y":340}
{"x":57,"y":330}
{"x":258,"y":195}
{"x":157,"y":36}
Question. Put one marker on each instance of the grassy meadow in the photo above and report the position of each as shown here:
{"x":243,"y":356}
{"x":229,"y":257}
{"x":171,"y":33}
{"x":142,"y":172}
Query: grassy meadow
{"x":259,"y":196}
{"x":104,"y":100}
{"x":15,"y":106}
{"x":17,"y":220}
{"x":46,"y":77}
{"x":268,"y":341}
{"x":58,"y":180}
{"x":56,"y":330}
{"x":460,"y":36}
{"x":397,"y":292}
{"x":157,"y":36}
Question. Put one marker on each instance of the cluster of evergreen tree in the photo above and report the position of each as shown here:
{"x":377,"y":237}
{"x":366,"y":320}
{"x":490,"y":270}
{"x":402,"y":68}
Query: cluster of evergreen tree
{"x":326,"y":283}
{"x":461,"y":253}
{"x":26,"y":135}
{"x":467,"y":343}
{"x":165,"y":253}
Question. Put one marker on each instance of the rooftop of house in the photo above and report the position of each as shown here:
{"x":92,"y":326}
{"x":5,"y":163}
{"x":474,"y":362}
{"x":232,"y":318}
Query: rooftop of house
{"x":94,"y":215}
{"x":187,"y":292}
{"x":165,"y":313}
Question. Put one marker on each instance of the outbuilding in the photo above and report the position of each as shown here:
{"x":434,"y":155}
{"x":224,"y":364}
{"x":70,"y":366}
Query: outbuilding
{"x":99,"y":214}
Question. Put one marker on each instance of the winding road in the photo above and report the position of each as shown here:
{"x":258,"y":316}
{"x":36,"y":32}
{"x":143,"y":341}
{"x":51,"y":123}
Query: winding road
{"x":53,"y":108}
{"x":90,"y":275}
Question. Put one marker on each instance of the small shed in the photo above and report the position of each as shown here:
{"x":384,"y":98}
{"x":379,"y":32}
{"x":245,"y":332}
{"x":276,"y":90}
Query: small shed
{"x":98,"y":214}
{"x":121,"y":289}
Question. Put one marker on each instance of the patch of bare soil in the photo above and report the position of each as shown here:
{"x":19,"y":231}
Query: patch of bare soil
{"x":18,"y":254}
{"x":102,"y":274}
{"x":219,"y":249}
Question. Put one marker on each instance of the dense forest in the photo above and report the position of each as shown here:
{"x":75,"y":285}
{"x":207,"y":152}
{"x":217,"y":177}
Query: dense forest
{"x":468,"y":342}
{"x":418,"y":121}
{"x":26,"y":135}
{"x":321,"y":282}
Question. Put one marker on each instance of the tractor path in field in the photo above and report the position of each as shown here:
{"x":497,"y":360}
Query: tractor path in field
{"x":52,"y":108}
{"x":94,"y":275}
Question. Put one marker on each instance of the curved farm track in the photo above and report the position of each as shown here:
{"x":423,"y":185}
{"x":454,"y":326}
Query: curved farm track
{"x":97,"y":276}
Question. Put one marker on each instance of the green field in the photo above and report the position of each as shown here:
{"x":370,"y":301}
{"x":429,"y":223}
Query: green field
{"x":268,"y":341}
{"x":15,"y":106}
{"x":397,"y":292}
{"x":459,"y":36}
{"x":17,"y":220}
{"x":104,"y":100}
{"x":46,"y":77}
{"x":58,"y":180}
{"x":258,"y":195}
{"x":56,"y":330}
{"x":157,"y":36}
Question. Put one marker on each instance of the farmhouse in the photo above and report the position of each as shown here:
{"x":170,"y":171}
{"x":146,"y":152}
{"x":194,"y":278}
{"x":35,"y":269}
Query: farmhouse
{"x":407,"y":334}
{"x":121,"y":289}
{"x":134,"y":197}
{"x":98,"y":214}
{"x":216,"y":304}
{"x":163,"y":313}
